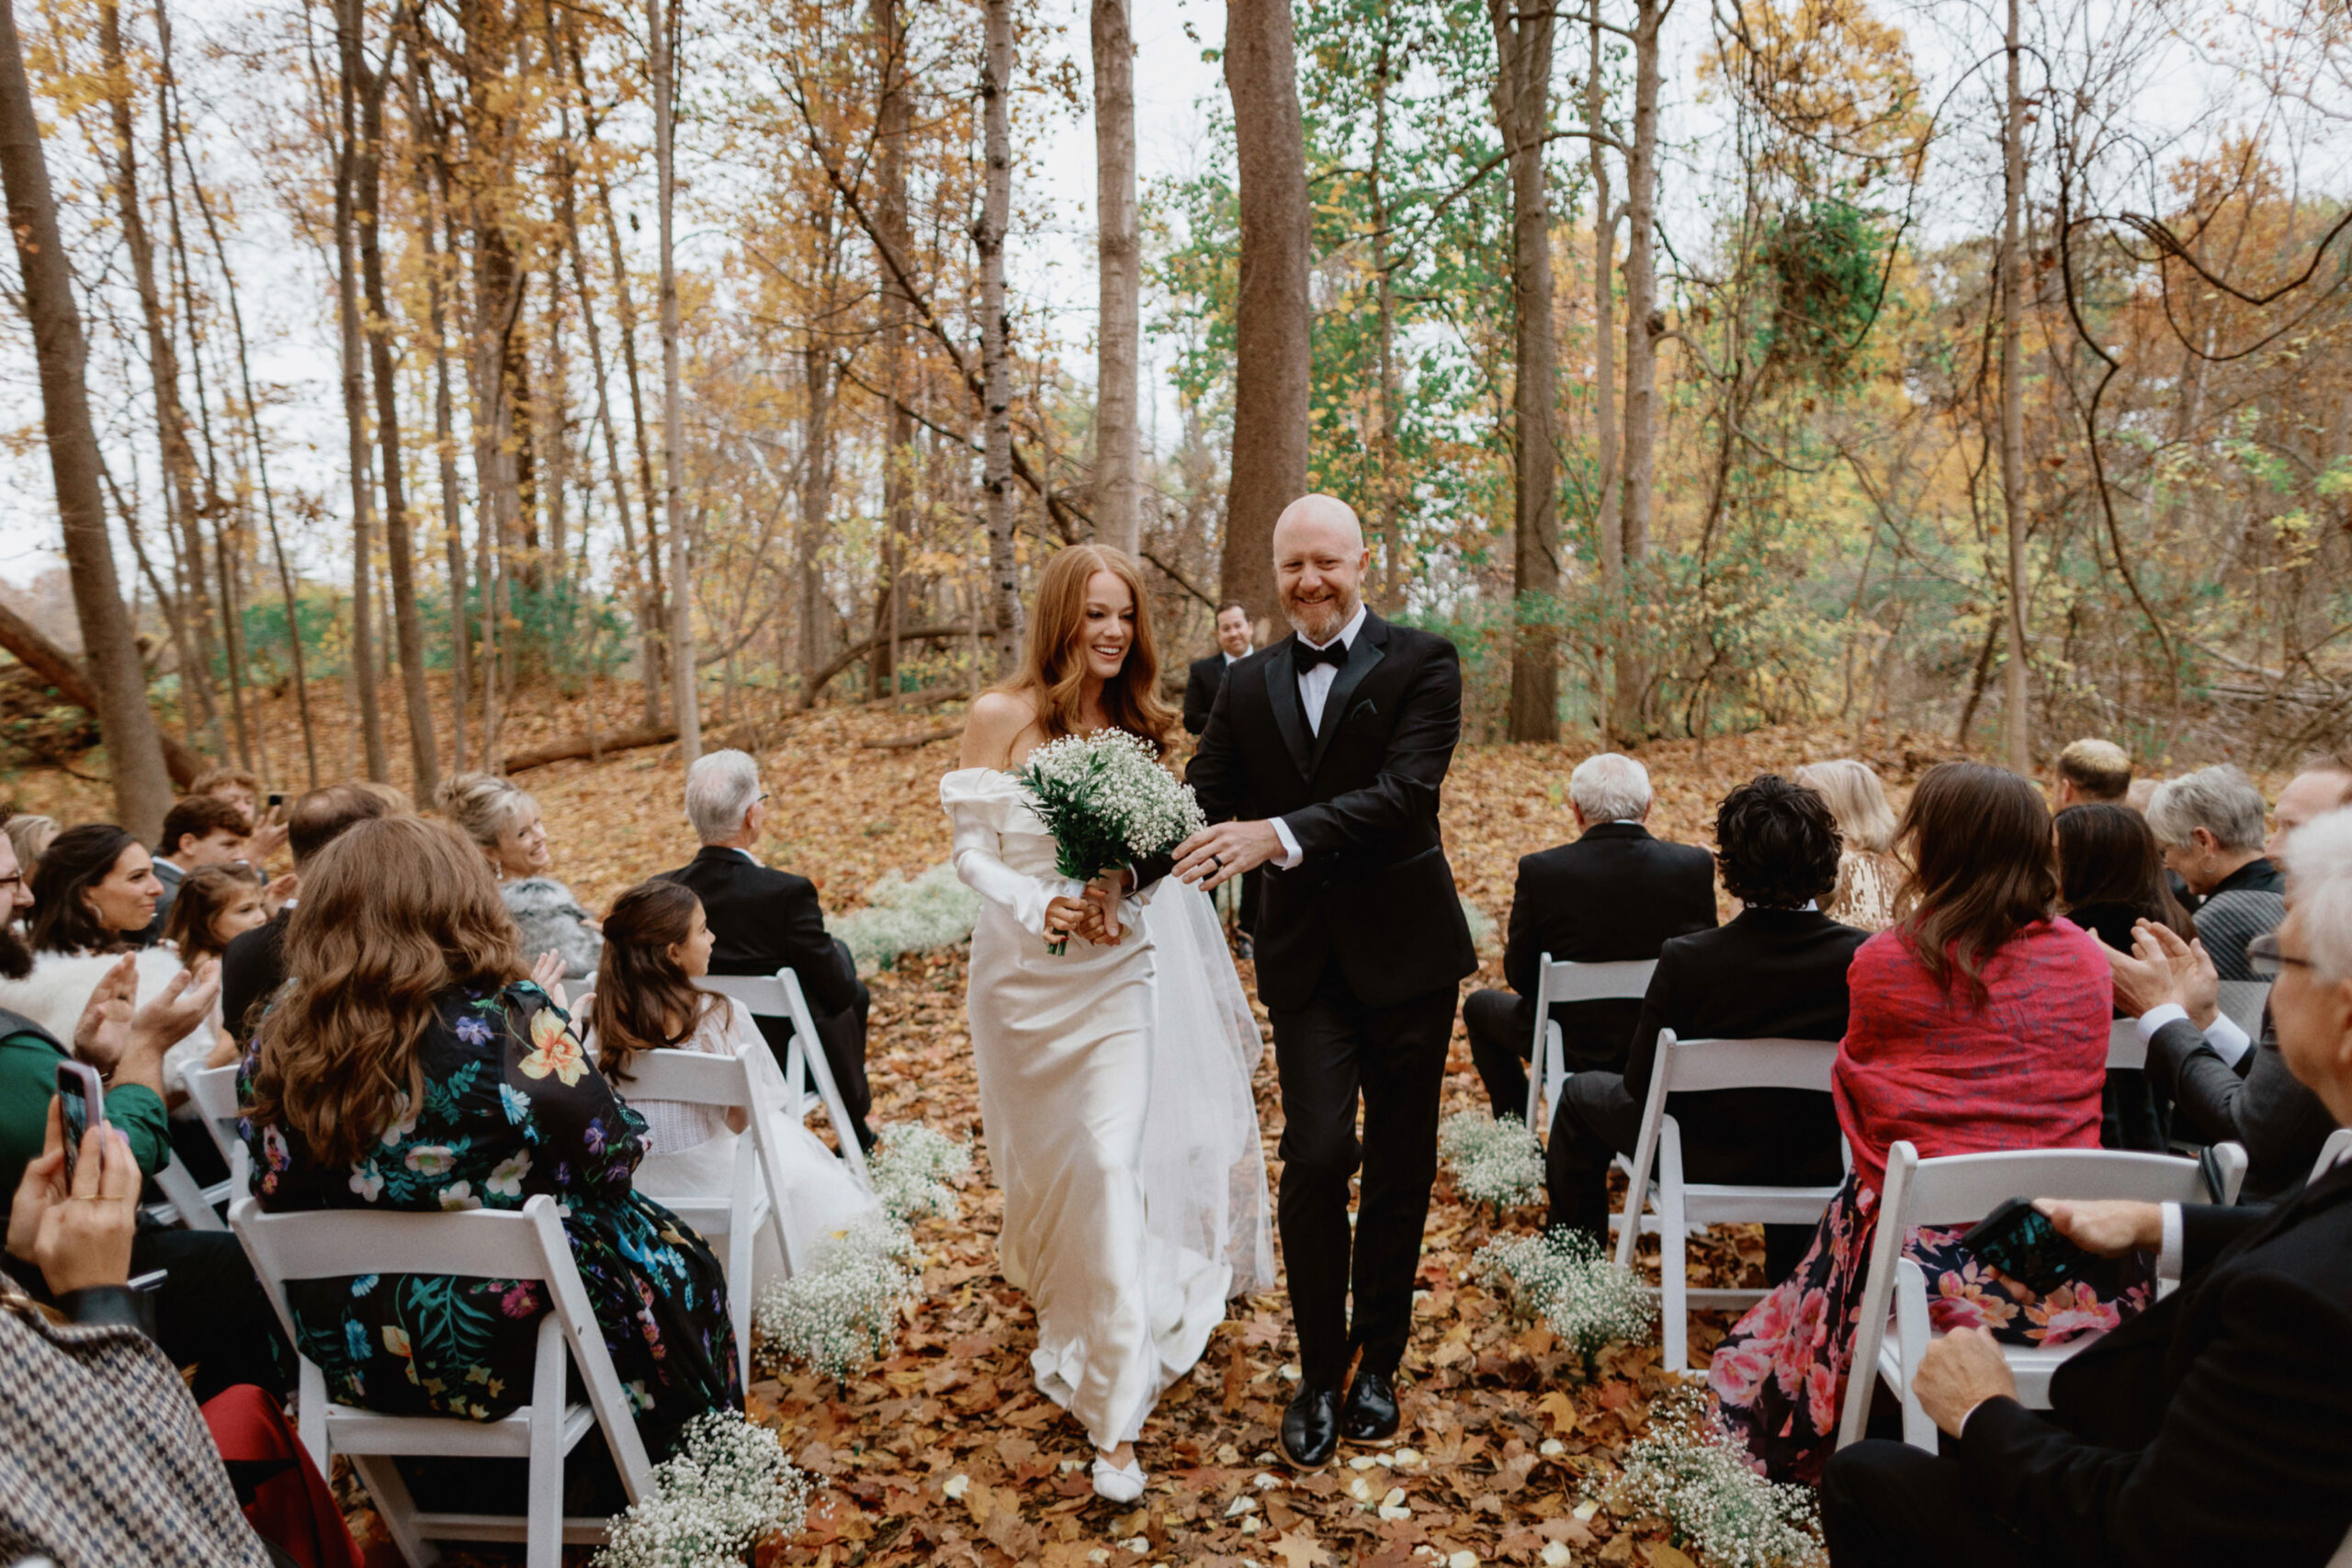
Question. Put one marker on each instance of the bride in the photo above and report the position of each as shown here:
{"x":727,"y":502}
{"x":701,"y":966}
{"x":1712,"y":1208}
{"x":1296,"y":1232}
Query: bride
{"x":1115,"y":1077}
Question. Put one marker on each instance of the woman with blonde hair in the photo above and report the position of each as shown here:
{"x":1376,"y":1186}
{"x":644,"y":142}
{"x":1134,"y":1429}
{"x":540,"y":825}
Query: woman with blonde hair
{"x":1867,"y":872}
{"x":504,"y":821}
{"x":1114,"y":1075}
{"x":411,"y":1066}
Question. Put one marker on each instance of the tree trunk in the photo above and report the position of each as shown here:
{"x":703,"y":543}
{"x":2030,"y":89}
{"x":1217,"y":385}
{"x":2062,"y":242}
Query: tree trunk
{"x":995,"y":355}
{"x":1522,"y":99}
{"x":1611,"y":672}
{"x":1644,"y":326}
{"x":1118,"y":338}
{"x":1271,"y":344}
{"x":432,"y":206}
{"x":815,"y":505}
{"x":163,"y":372}
{"x":661,"y":19}
{"x":1391,"y":503}
{"x":408,"y":631}
{"x":143,"y":786}
{"x":2016,"y":732}
{"x":894,"y":124}
{"x":349,"y":17}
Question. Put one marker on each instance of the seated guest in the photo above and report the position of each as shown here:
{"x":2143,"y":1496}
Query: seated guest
{"x":2215,"y":1428}
{"x":94,"y":900}
{"x":216,"y":904}
{"x":764,"y":920}
{"x":657,"y":944}
{"x":107,"y":1460}
{"x":254,"y":966}
{"x":2092,"y":771}
{"x":1867,"y":872}
{"x":2110,"y":876}
{"x":1615,"y":893}
{"x":1778,"y":971}
{"x":198,"y":830}
{"x":30,"y":836}
{"x":1979,"y":1022}
{"x":266,"y":830}
{"x":2209,"y":826}
{"x":503,"y":820}
{"x":409,"y":1067}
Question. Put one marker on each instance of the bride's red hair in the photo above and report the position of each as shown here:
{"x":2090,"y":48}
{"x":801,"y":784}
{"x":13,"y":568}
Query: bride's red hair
{"x":1053,"y":667}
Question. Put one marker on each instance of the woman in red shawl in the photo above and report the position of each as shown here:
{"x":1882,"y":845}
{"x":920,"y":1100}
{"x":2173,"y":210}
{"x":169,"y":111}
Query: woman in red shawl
{"x":1978,"y":1022}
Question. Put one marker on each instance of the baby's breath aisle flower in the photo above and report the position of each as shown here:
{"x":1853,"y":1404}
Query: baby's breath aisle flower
{"x":1497,"y":1161}
{"x":912,"y":1169}
{"x":726,"y":1488}
{"x":1698,"y":1479}
{"x":1107,"y":802}
{"x":1590,"y":1300}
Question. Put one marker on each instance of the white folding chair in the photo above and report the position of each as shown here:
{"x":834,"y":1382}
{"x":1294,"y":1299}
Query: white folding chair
{"x":1961,"y":1190}
{"x":779,"y":996}
{"x":756,"y":1198}
{"x":214,"y":1090}
{"x":2243,"y":1002}
{"x":480,"y":1243}
{"x":1672,"y":1207}
{"x":185,"y":1201}
{"x":1564,"y":980}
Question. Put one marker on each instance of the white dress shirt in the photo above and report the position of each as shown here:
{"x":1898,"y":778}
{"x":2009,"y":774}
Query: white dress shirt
{"x":1314,"y":689}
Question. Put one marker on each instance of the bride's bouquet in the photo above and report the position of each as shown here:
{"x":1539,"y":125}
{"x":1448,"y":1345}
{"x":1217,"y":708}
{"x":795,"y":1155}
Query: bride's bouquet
{"x":1107,"y":802}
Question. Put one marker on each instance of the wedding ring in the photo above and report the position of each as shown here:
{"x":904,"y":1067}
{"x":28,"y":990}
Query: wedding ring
{"x":1216,"y":863}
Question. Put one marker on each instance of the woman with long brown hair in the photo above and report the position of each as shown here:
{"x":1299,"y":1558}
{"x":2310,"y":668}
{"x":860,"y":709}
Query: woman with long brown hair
{"x":657,"y":944}
{"x":410,"y":1064}
{"x":1115,"y":1075}
{"x":1977,"y":1022}
{"x":2111,"y":875}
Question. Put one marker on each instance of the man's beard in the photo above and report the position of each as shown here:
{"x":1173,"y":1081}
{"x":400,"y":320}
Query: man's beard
{"x":1341,"y":608}
{"x":15,"y":958}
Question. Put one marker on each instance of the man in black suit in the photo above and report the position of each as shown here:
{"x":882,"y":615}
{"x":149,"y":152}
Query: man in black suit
{"x":2216,"y":1426}
{"x":763,"y":920}
{"x":1778,"y":971}
{"x":1201,"y":684}
{"x":1323,"y":759}
{"x":254,"y":966}
{"x":1614,"y":894}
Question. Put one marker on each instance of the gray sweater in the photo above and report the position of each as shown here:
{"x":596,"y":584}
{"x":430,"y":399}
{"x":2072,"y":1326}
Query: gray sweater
{"x":552,"y":921}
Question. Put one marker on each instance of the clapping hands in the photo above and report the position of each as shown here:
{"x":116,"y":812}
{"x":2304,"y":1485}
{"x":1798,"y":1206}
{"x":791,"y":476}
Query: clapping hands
{"x":2163,"y":967}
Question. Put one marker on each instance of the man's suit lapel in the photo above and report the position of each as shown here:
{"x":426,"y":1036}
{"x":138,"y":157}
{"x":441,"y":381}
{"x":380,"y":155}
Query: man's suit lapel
{"x":1362,"y":654}
{"x":1282,"y":690}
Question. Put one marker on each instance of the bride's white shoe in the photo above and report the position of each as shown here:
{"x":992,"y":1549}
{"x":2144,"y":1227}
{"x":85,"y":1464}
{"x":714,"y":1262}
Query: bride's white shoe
{"x":1117,"y":1483}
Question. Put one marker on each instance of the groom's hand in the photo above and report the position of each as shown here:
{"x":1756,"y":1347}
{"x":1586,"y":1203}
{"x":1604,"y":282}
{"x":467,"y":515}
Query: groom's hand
{"x":1215,"y":857}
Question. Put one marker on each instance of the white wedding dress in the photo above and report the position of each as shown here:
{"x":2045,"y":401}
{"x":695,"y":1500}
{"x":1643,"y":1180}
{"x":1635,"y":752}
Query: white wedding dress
{"x":1116,"y":1098}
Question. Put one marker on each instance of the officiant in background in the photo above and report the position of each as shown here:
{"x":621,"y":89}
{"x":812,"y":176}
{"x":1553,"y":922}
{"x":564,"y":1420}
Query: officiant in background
{"x":1201,"y":686}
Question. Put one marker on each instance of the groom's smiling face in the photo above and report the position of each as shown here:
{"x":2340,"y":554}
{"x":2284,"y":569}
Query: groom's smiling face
{"x":1319,"y":566}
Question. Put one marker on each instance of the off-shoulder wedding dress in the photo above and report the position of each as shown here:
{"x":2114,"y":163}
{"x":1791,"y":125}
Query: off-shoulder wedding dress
{"x":1116,"y":1098}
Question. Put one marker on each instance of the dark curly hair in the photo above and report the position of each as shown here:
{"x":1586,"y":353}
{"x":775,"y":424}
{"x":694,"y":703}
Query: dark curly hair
{"x":1776,"y":843}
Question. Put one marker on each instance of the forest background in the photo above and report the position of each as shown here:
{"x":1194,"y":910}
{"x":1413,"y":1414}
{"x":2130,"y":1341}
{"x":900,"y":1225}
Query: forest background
{"x":1971,"y":369}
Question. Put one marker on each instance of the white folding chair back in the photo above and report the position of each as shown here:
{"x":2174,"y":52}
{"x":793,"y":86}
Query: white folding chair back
{"x":756,"y":1196}
{"x":187,"y":1202}
{"x":1564,"y":980}
{"x":2125,"y":1049}
{"x":1658,"y":1199}
{"x":480,"y":1243}
{"x":214,"y":1090}
{"x":2243,"y":1002}
{"x":1961,"y":1190}
{"x":779,"y":996}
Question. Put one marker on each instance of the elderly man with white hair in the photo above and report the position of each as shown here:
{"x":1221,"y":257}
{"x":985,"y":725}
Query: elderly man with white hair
{"x":764,"y":920}
{"x":2216,"y":1426}
{"x":1612,"y":893}
{"x":2209,"y":826}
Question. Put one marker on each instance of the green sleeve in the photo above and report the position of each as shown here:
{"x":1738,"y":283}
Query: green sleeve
{"x":28,"y":1082}
{"x":138,"y":1111}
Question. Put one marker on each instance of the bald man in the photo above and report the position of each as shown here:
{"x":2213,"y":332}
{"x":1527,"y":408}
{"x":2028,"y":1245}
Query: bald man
{"x":1322,"y":760}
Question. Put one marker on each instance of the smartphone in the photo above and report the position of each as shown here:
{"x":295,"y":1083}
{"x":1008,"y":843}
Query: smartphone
{"x":277,"y":799}
{"x":2018,"y":1239}
{"x":84,"y":1099}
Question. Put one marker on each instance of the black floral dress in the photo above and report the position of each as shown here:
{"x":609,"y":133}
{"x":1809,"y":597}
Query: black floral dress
{"x":512,"y":1107}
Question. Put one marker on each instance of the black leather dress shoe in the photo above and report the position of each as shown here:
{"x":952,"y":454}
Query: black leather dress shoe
{"x":1311,"y":1428}
{"x":1371,"y":1412}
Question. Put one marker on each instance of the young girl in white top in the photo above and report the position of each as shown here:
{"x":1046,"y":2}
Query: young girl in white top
{"x":657,"y":944}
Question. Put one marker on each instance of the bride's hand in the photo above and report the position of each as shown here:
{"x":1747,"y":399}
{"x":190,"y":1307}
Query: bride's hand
{"x":1103,"y":894}
{"x":1066,"y":918}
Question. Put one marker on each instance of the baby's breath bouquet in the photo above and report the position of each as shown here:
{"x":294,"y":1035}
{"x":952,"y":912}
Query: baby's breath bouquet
{"x":1107,"y":802}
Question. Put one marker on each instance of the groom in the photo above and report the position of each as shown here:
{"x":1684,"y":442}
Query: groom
{"x":1322,"y":762}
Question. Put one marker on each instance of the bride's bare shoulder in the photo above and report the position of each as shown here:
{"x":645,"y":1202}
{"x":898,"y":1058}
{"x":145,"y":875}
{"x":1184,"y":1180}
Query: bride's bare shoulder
{"x":996,"y":722}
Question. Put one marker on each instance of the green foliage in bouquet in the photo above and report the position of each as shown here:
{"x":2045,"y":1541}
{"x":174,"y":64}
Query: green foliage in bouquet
{"x":1107,"y":802}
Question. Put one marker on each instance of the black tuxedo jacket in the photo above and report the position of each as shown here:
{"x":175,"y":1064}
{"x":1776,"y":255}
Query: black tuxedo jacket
{"x":2281,"y":1124}
{"x":2214,"y":1427}
{"x":1360,"y":793}
{"x":1614,"y":893}
{"x":1201,"y":686}
{"x":764,"y":920}
{"x":1771,"y":974}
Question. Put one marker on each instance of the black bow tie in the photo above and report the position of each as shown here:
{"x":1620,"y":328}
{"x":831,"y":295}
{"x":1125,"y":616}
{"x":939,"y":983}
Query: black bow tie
{"x":1334,"y":653}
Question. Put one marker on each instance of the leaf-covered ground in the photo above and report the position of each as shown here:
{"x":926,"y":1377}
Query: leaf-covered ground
{"x":944,"y":1452}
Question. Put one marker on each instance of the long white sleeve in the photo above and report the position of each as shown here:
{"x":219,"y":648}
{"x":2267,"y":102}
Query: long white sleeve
{"x":980,"y":866}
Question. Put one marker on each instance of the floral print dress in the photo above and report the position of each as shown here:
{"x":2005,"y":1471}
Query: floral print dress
{"x":512,"y":1107}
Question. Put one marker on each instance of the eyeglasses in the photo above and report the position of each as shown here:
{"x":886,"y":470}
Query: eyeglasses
{"x":2262,"y":957}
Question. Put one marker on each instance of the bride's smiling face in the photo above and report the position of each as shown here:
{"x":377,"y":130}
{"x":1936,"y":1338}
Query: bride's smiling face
{"x":1108,"y":629}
